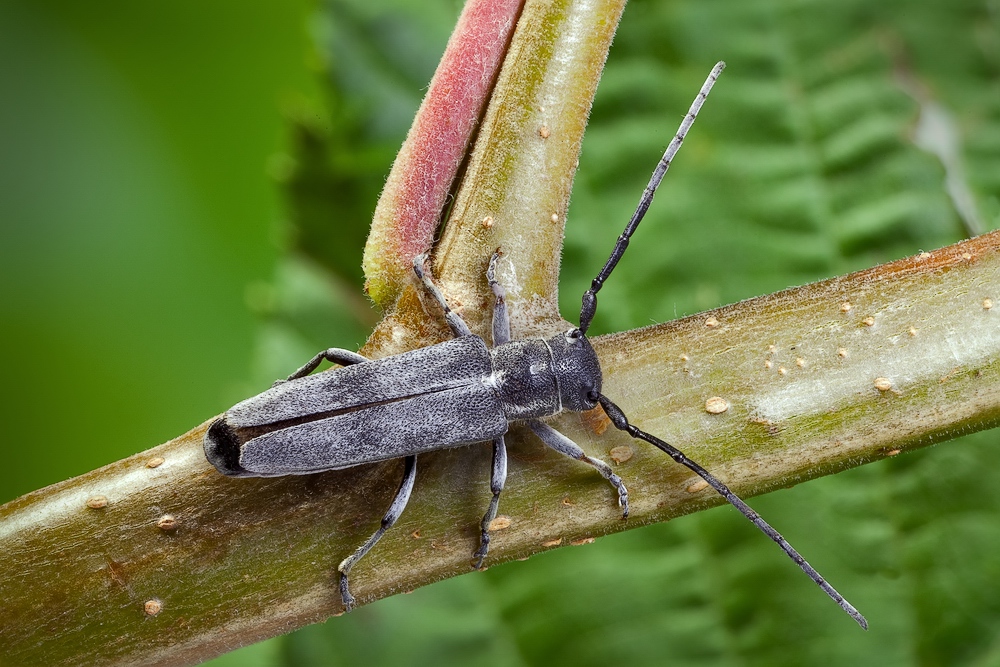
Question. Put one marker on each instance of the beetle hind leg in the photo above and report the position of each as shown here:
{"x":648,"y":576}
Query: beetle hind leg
{"x":395,"y":510}
{"x":564,"y":445}
{"x":497,"y":480}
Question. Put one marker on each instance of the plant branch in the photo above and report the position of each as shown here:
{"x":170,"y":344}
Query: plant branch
{"x":247,"y":559}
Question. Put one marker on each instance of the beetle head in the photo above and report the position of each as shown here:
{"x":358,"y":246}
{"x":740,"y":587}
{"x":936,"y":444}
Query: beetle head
{"x":577,"y":370}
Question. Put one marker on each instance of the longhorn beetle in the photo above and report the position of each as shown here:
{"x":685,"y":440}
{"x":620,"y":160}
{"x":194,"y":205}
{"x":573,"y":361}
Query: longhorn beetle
{"x":454,"y":393}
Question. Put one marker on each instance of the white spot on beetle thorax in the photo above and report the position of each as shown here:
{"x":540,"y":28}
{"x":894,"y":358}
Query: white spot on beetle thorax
{"x":492,"y":380}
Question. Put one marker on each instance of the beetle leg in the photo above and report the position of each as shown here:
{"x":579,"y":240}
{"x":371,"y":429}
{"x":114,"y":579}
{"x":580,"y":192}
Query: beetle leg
{"x":564,"y":445}
{"x":334,"y":355}
{"x":497,"y":480}
{"x":457,"y":324}
{"x":501,"y":319}
{"x":396,"y":509}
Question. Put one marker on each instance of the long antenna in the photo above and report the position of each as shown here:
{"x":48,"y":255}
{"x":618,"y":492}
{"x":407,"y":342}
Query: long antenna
{"x":621,"y":422}
{"x":590,"y":296}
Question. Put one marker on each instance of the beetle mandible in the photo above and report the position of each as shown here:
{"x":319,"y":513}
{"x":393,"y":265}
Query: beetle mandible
{"x":455,"y":393}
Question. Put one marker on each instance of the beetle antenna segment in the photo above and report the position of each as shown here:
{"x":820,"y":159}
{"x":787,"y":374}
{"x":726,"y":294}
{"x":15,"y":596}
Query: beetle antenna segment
{"x":590,"y":296}
{"x":621,"y":422}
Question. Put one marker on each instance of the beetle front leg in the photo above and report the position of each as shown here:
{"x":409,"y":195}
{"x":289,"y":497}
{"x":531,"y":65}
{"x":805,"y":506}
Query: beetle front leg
{"x":334,"y":355}
{"x":497,"y":480}
{"x":457,"y":324}
{"x":395,"y":510}
{"x":564,"y":445}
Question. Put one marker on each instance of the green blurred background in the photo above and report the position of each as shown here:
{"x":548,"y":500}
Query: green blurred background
{"x":184,"y":194}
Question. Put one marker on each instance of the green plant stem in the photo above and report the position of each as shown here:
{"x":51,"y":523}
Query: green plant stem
{"x":248,"y":559}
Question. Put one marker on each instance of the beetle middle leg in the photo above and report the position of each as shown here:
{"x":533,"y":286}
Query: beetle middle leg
{"x":564,"y":445}
{"x":395,"y":510}
{"x":501,"y":319}
{"x":501,"y":335}
{"x":497,"y":480}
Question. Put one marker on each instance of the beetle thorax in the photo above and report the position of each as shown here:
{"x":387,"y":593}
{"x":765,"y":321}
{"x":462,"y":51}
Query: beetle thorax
{"x":539,"y":378}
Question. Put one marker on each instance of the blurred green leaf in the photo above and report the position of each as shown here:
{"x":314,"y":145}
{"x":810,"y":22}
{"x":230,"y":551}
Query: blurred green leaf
{"x":135,"y":208}
{"x":379,"y":58}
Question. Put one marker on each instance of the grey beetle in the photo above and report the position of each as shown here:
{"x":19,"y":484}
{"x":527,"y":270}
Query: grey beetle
{"x":455,"y":393}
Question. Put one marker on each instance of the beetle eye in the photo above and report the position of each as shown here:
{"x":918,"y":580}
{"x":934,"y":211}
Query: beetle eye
{"x":574,"y":334}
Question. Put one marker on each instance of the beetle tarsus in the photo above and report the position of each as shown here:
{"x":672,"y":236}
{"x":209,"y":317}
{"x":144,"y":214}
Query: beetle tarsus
{"x":482,"y":551}
{"x":345,"y":593}
{"x":564,"y":445}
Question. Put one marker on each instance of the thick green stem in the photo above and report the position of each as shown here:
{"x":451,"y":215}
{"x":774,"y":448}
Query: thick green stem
{"x":239,"y":560}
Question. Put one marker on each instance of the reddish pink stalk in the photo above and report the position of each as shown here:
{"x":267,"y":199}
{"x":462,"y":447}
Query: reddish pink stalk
{"x":416,"y":191}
